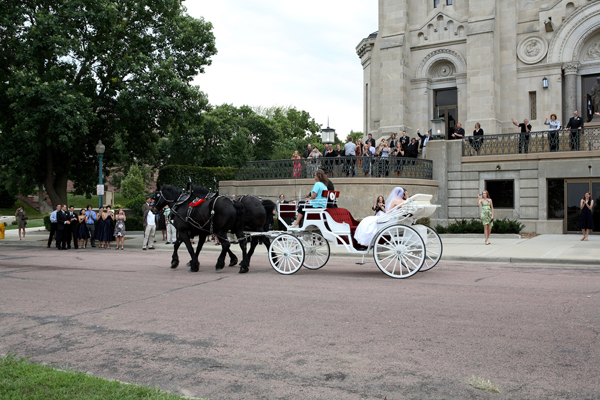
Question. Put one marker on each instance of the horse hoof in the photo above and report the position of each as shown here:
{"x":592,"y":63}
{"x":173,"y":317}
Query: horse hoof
{"x":233,"y":262}
{"x":189,"y":264}
{"x":243,"y":270}
{"x":244,"y":264}
{"x":219,"y":267}
{"x":194,"y":270}
{"x":174,"y":265}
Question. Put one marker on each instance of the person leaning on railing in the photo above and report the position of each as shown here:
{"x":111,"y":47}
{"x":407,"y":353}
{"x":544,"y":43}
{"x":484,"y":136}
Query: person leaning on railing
{"x":367,"y":156}
{"x":398,"y":154}
{"x":477,"y":139}
{"x":553,"y":140}
{"x":524,"y":136}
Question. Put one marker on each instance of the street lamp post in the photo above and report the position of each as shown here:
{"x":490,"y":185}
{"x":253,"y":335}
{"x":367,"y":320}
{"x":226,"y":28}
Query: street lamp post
{"x":100,"y":150}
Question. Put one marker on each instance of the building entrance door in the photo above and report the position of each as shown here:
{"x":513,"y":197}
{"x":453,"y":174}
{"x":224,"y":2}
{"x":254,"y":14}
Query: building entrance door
{"x":446,"y":107}
{"x":575,"y":189}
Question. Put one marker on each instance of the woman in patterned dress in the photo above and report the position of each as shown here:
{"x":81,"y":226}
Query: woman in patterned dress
{"x":120,"y":228}
{"x":487,"y":213}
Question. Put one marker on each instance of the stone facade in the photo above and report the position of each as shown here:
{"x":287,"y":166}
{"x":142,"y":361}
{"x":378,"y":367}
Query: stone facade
{"x":495,"y":53}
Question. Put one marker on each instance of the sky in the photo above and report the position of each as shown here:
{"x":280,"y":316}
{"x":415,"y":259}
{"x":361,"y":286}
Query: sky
{"x":289,"y":53}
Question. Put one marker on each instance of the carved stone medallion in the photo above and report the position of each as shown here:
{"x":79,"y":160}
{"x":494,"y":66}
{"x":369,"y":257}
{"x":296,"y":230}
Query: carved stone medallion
{"x":532,"y":49}
{"x":594,"y":50}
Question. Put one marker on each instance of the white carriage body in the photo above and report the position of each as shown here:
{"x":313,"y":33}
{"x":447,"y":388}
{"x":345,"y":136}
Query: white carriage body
{"x":341,"y":233}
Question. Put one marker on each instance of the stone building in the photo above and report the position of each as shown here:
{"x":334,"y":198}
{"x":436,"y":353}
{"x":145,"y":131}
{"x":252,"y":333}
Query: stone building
{"x":478,"y":61}
{"x":434,"y":63}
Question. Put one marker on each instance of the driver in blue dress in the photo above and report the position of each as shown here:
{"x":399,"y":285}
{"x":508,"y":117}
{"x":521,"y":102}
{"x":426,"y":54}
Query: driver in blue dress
{"x":368,"y":226}
{"x":316,"y":198}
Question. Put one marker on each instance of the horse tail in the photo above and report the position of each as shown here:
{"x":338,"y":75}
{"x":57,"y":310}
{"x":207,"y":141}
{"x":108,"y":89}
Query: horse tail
{"x":240,"y":209}
{"x":269,"y":205}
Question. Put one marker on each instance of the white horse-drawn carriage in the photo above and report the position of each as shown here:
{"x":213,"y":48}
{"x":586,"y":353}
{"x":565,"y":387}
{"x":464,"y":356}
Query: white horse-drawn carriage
{"x":400,"y":247}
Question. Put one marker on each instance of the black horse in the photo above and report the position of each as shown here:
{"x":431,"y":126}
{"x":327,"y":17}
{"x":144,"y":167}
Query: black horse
{"x":199,"y":192}
{"x":258,"y":217}
{"x":218,"y":215}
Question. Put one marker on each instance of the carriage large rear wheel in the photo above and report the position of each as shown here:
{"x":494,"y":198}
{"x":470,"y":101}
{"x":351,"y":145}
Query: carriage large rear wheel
{"x":286,"y":254}
{"x":434,"y":247}
{"x":316,"y":249}
{"x":399,"y":251}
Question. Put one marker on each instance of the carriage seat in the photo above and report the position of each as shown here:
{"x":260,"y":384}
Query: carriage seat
{"x":331,"y":196}
{"x":341,"y":215}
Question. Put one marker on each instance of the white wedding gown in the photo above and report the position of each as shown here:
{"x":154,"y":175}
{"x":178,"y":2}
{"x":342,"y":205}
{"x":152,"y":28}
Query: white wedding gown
{"x":366,"y":230}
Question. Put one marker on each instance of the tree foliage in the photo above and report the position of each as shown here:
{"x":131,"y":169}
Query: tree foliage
{"x":133,"y":184}
{"x":73,"y":72}
{"x":229,"y":136}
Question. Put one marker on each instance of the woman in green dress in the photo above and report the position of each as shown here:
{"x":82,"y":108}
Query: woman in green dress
{"x":487,"y":214}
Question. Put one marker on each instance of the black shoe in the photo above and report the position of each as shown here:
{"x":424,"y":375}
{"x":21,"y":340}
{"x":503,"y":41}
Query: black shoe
{"x":168,"y":243}
{"x":69,"y":248}
{"x":150,"y":248}
{"x":48,"y":246}
{"x":93,"y":245}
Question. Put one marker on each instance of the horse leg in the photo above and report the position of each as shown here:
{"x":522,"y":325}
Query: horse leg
{"x":233,"y":260}
{"x":195,"y":265}
{"x":224,"y":248}
{"x":245,"y":264}
{"x":245,"y":260}
{"x":175,"y":258}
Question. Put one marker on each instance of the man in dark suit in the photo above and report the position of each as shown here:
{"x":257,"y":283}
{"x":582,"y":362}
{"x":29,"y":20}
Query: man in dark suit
{"x":404,"y":141}
{"x":412,"y":150}
{"x":576,"y":126}
{"x":73,"y":228}
{"x":370,"y":140}
{"x":63,"y":225}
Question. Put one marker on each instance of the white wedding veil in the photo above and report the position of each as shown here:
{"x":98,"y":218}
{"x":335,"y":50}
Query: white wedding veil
{"x":397,"y":193}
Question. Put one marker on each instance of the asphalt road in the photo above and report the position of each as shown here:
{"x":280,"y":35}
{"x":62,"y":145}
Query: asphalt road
{"x":343,"y":332}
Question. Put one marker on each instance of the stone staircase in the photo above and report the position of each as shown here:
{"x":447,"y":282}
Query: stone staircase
{"x":33,"y":202}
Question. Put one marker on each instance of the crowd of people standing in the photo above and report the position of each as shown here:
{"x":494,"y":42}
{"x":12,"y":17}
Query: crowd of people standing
{"x":69,"y":227}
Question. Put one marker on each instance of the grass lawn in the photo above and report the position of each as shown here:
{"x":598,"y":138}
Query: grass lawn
{"x":20,"y":379}
{"x":80,"y":202}
{"x":32,"y":213}
{"x":31,"y":223}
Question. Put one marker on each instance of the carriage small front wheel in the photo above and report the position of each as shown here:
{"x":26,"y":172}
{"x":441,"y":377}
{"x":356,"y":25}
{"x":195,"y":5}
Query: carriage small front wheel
{"x":399,"y":251}
{"x":317,"y":250}
{"x":286,"y":254}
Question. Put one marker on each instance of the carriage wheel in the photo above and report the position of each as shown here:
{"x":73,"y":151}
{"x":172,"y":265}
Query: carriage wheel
{"x":316,"y":249}
{"x":399,"y":251}
{"x":434,"y":247}
{"x":286,"y":254}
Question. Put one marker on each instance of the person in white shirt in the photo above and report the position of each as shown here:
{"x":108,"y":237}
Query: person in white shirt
{"x":149,"y":229}
{"x":350,"y":151}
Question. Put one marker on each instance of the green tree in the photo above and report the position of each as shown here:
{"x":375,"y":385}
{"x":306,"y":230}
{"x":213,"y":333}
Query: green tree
{"x":133,"y":184}
{"x":73,"y":72}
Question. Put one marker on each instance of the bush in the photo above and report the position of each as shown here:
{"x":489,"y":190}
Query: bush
{"x":6,"y":199}
{"x":136,"y":204}
{"x":476,"y":226}
{"x":134,"y":224}
{"x":179,"y":175}
{"x":47,"y":222}
{"x":133,"y":184}
{"x":424,"y":221}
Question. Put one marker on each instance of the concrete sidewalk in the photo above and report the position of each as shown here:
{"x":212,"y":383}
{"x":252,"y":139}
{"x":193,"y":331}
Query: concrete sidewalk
{"x":543,"y":249}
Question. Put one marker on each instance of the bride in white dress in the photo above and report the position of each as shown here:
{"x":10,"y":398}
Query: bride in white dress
{"x":368,"y":226}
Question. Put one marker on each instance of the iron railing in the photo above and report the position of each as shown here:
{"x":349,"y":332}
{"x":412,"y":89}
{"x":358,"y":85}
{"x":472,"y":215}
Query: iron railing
{"x":564,"y":140}
{"x":337,"y":167}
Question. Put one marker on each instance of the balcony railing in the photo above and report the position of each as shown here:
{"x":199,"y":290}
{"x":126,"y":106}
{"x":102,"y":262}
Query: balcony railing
{"x":337,"y":167}
{"x":564,"y":140}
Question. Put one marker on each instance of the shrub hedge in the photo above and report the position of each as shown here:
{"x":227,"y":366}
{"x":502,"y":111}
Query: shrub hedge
{"x":179,"y":175}
{"x":135,"y":205}
{"x":47,"y":222}
{"x":476,"y":226}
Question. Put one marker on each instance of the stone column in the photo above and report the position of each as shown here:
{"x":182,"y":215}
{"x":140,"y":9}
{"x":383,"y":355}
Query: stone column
{"x":570,"y":94}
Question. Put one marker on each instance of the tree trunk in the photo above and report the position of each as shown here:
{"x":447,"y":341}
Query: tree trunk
{"x":56,"y":186}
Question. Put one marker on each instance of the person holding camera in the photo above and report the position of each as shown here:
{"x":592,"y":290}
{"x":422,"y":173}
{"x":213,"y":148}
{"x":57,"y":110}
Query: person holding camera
{"x":21,"y":220}
{"x":487,"y":213}
{"x":379,"y":206}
